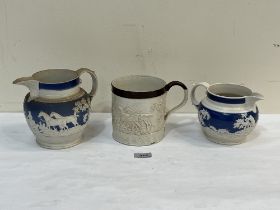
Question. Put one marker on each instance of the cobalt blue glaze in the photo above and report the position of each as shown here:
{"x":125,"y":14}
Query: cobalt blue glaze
{"x":76,"y":110}
{"x":220,"y":120}
{"x":60,"y":86}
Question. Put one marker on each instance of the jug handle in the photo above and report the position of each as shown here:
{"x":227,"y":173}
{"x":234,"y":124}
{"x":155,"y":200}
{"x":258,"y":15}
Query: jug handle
{"x":195,"y":102}
{"x":93,"y":77}
{"x":183,"y":102}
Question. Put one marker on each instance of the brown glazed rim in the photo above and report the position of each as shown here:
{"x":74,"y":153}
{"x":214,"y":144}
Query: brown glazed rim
{"x":147,"y":94}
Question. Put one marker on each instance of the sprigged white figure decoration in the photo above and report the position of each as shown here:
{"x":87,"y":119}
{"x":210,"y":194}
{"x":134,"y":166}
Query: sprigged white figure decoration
{"x":82,"y":105}
{"x":245,"y":122}
{"x":68,"y":119}
{"x":203,"y":115}
{"x":54,"y":124}
{"x":130,"y":121}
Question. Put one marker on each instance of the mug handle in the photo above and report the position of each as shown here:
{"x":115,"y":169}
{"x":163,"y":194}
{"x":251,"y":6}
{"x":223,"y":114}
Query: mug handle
{"x":195,"y":102}
{"x":183,"y":102}
{"x":93,"y":77}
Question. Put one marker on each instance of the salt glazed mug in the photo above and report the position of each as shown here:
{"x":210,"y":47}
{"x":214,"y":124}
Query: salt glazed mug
{"x":139,"y":109}
{"x":228,"y":113}
{"x":57,"y":109}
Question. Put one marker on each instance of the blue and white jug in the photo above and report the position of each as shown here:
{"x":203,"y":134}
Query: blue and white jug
{"x":228,"y":113}
{"x":57,"y":109}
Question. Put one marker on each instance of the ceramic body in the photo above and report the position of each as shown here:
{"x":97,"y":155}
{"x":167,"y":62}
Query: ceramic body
{"x":227,"y":119}
{"x":56,"y":110}
{"x":139,"y":109}
{"x":138,"y":121}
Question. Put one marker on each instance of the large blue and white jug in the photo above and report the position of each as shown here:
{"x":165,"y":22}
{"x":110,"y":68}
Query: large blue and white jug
{"x":57,"y":108}
{"x":228,"y":113}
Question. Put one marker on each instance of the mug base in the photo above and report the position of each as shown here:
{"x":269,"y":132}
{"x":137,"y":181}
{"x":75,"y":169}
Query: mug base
{"x":224,"y":139}
{"x":138,"y":140}
{"x":61,"y":142}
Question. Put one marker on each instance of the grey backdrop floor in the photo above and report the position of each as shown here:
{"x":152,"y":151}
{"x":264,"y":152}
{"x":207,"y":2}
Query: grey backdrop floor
{"x":186,"y":171}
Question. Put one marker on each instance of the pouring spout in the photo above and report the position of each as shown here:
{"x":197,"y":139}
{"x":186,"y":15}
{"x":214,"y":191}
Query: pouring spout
{"x":31,"y":84}
{"x":22,"y":80}
{"x":252,"y":99}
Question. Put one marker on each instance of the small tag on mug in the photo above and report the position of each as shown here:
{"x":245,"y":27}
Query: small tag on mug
{"x":143,"y":155}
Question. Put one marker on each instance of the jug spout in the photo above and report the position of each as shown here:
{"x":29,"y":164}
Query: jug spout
{"x":252,"y":99}
{"x":31,"y":84}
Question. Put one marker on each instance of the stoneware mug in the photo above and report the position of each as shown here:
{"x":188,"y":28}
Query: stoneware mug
{"x":228,"y":113}
{"x":139,"y":109}
{"x":57,"y":108}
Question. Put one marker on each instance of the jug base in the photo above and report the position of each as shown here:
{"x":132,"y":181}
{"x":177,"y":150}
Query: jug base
{"x":138,"y":140}
{"x":57,"y":143}
{"x":224,"y":140}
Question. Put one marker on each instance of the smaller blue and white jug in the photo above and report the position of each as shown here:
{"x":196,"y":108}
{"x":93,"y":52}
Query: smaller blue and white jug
{"x":228,"y":113}
{"x":57,"y":109}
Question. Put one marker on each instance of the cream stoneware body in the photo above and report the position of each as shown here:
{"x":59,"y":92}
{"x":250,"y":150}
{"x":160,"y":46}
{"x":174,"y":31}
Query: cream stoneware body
{"x":228,"y":113}
{"x":139,"y":109}
{"x":57,"y":109}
